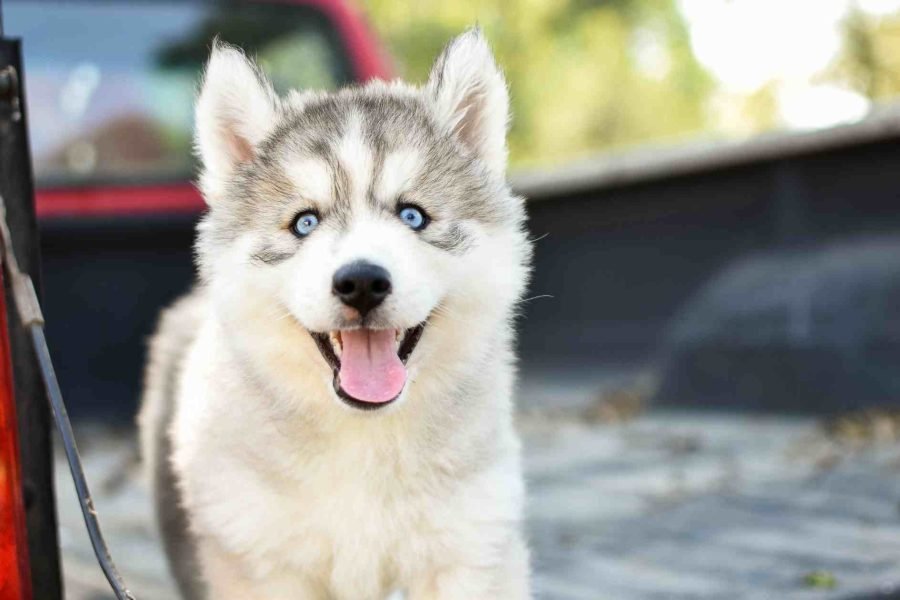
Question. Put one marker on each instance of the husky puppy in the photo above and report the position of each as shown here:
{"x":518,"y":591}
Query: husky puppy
{"x":328,"y":414}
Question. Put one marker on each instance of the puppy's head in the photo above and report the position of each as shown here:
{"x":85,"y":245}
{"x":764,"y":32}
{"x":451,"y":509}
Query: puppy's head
{"x":363,"y":238}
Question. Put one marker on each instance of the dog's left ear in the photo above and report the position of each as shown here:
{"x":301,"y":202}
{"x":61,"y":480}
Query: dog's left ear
{"x":471,"y":98}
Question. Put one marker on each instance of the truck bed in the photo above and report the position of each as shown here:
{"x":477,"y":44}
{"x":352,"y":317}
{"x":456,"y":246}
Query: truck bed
{"x":626,"y":502}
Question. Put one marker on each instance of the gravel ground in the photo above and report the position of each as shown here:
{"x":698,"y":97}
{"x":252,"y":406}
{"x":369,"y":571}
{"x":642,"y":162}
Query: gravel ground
{"x":623,"y":504}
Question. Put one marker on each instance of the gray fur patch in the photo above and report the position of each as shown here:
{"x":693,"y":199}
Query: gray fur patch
{"x":378,"y":154}
{"x":270,"y":256}
{"x":340,"y":184}
{"x":455,"y":240}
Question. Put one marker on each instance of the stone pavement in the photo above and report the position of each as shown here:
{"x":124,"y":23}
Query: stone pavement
{"x":623,"y":506}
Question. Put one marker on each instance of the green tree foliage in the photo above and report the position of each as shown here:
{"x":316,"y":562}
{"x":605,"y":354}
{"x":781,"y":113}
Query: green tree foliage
{"x":869,"y":61}
{"x":584,"y":74}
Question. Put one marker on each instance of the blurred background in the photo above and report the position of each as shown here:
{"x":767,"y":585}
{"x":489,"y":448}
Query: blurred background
{"x":710,"y":344}
{"x":597,"y":75}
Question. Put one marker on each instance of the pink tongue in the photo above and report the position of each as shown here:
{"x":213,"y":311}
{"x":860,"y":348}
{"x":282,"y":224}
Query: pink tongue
{"x":371,"y":371}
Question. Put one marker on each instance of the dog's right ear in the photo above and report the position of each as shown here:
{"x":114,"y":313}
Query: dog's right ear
{"x":236,"y":109}
{"x":471,"y":99}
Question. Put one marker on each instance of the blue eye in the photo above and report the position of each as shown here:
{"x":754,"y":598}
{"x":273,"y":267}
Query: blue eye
{"x":413,"y":216}
{"x":305,"y":223}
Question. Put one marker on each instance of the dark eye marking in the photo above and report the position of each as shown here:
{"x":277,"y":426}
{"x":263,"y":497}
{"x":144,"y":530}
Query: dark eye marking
{"x":270,"y":256}
{"x":455,"y":240}
{"x":301,"y":226}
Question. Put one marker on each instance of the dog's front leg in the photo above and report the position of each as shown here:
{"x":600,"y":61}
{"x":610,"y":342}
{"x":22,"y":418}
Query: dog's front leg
{"x":507,"y":580}
{"x":224,"y":575}
{"x":227,"y":579}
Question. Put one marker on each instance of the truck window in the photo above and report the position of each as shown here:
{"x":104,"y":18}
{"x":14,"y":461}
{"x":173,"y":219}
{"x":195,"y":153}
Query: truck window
{"x":110,"y":84}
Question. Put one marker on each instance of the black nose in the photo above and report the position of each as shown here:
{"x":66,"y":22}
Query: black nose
{"x":361,"y":285}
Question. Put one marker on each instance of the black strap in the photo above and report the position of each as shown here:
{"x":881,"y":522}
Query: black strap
{"x":61,"y":416}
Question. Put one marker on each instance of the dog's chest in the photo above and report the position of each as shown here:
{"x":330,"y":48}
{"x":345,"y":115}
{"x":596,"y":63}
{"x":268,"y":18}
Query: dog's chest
{"x":350,"y":513}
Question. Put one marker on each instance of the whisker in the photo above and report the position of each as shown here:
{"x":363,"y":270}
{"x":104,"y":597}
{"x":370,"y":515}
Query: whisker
{"x":538,"y":297}
{"x":451,"y":317}
{"x":283,"y":316}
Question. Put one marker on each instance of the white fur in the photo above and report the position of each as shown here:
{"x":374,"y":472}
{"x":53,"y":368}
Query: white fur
{"x":400,"y":168}
{"x":356,"y":158}
{"x":293,"y":495}
{"x":310,"y":177}
{"x":471,"y":98}
{"x":234,"y":113}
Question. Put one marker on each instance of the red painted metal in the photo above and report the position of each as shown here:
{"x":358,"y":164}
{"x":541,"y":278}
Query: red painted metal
{"x":368,"y":60}
{"x":15,"y":580}
{"x":119,"y":200}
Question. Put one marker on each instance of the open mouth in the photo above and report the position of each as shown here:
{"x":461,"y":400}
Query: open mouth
{"x":369,"y":365}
